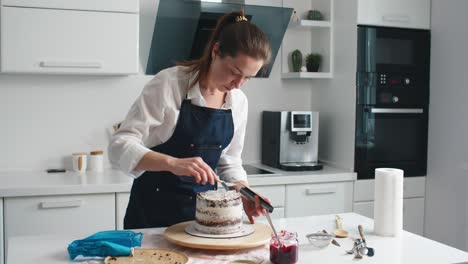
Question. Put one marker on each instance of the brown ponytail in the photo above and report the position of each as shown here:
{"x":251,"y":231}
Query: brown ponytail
{"x":235,"y":35}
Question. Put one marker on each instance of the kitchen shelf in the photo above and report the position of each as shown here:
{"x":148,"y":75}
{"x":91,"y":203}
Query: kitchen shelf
{"x":307,"y":75}
{"x":311,"y":23}
{"x":309,"y":36}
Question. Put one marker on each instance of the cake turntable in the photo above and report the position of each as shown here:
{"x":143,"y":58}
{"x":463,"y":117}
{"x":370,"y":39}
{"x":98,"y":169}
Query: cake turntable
{"x":176,"y":234}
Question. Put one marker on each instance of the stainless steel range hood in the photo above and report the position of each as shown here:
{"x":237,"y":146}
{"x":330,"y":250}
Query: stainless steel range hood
{"x":182,"y":29}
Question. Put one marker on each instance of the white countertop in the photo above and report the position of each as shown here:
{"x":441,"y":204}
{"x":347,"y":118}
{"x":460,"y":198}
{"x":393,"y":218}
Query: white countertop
{"x":32,"y":183}
{"x":409,"y":248}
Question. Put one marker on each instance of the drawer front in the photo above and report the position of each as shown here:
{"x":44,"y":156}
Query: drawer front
{"x":75,"y":215}
{"x":121,"y":203}
{"x":97,"y":5}
{"x":318,"y":199}
{"x":364,"y":208}
{"x":68,"y":42}
{"x":275,"y":193}
{"x":413,"y":187}
{"x":278,"y":213}
{"x":413,"y":213}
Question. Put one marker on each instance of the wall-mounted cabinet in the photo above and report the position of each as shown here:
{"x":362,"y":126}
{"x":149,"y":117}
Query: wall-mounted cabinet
{"x":395,"y":13}
{"x":309,"y":36}
{"x":76,"y":37}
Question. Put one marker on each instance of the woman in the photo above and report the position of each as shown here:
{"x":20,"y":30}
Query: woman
{"x":193,"y":118}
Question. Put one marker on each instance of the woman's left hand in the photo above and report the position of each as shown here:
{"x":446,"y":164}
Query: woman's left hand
{"x":252,"y":209}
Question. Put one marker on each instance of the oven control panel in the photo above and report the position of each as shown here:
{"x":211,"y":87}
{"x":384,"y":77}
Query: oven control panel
{"x":394,"y":80}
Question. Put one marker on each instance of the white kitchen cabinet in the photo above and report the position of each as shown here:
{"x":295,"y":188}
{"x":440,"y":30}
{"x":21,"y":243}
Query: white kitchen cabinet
{"x":413,"y":203}
{"x":121,"y":203}
{"x":276,"y":194}
{"x":364,"y":208}
{"x":2,"y":255}
{"x":318,"y":198}
{"x":413,"y":187}
{"x":73,"y":215}
{"x":309,"y":36}
{"x":395,"y":13}
{"x":413,"y":213}
{"x":278,"y":213}
{"x":48,"y":37}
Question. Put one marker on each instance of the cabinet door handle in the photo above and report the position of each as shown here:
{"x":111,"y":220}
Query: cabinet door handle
{"x":322,"y":190}
{"x":61,"y":204}
{"x":396,"y":18}
{"x":70,"y":64}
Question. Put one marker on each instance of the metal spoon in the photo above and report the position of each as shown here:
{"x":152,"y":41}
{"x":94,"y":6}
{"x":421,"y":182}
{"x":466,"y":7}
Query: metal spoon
{"x":267,"y":215}
{"x":369,"y":251}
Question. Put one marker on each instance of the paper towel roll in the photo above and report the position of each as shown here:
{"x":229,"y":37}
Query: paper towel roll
{"x":388,"y":202}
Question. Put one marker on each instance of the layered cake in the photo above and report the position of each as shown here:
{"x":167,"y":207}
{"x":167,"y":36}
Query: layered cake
{"x":218,"y":212}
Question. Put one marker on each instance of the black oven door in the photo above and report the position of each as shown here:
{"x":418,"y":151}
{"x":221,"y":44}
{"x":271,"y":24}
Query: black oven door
{"x":383,"y":49}
{"x":391,"y":137}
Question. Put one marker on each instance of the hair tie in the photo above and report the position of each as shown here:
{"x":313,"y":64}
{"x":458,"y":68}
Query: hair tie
{"x":240,"y":18}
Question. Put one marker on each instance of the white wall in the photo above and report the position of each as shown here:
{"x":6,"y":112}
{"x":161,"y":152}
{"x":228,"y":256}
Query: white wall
{"x":44,"y":118}
{"x":336,"y":98}
{"x":446,"y":218}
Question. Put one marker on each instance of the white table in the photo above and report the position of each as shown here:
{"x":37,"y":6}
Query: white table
{"x":409,"y":248}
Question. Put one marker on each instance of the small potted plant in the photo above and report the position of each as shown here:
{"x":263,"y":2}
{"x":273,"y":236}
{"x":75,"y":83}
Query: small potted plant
{"x":296,"y":60}
{"x":313,"y":61}
{"x":314,"y":15}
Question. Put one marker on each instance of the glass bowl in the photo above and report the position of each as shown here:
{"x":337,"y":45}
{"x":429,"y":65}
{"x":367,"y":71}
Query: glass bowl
{"x":319,"y":239}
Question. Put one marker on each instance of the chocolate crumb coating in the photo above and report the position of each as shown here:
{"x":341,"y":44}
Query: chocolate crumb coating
{"x":218,"y":212}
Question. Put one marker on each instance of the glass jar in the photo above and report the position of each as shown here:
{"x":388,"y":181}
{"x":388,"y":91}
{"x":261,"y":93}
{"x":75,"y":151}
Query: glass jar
{"x":96,"y":161}
{"x":284,"y":251}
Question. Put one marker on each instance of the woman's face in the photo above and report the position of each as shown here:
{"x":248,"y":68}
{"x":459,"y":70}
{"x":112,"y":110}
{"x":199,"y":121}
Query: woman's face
{"x":229,"y":73}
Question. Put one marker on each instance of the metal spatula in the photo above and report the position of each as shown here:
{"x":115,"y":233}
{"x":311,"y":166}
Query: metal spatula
{"x":250,"y":194}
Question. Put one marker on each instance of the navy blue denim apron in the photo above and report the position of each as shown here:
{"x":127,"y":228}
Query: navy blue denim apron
{"x":160,"y":199}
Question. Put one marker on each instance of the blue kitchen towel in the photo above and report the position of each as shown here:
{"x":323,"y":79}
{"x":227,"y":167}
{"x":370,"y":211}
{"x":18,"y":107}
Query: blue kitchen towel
{"x":105,"y":243}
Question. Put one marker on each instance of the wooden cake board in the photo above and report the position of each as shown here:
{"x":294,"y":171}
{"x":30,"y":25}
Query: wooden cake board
{"x":177,"y":235}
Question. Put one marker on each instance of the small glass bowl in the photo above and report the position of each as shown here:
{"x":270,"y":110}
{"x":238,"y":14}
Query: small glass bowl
{"x":319,"y":239}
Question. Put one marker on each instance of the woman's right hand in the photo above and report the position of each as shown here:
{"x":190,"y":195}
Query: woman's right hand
{"x":192,"y":167}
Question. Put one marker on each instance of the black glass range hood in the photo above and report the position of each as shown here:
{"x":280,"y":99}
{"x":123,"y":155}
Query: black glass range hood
{"x":183,"y":27}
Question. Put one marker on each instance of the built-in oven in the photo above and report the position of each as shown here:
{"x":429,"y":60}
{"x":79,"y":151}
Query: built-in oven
{"x":392,"y":88}
{"x":391,"y":137}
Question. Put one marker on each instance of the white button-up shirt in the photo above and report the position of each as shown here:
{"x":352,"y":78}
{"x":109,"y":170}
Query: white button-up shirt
{"x":152,"y":119}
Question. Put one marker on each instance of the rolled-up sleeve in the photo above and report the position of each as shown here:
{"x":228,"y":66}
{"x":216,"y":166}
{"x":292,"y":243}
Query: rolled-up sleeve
{"x":126,"y":147}
{"x":230,"y":164}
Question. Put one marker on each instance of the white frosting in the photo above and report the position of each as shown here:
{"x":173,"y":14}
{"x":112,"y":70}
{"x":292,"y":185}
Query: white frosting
{"x":218,"y":212}
{"x":219,"y":195}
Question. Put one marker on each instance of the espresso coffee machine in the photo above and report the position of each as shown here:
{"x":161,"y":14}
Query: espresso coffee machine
{"x":290,"y":140}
